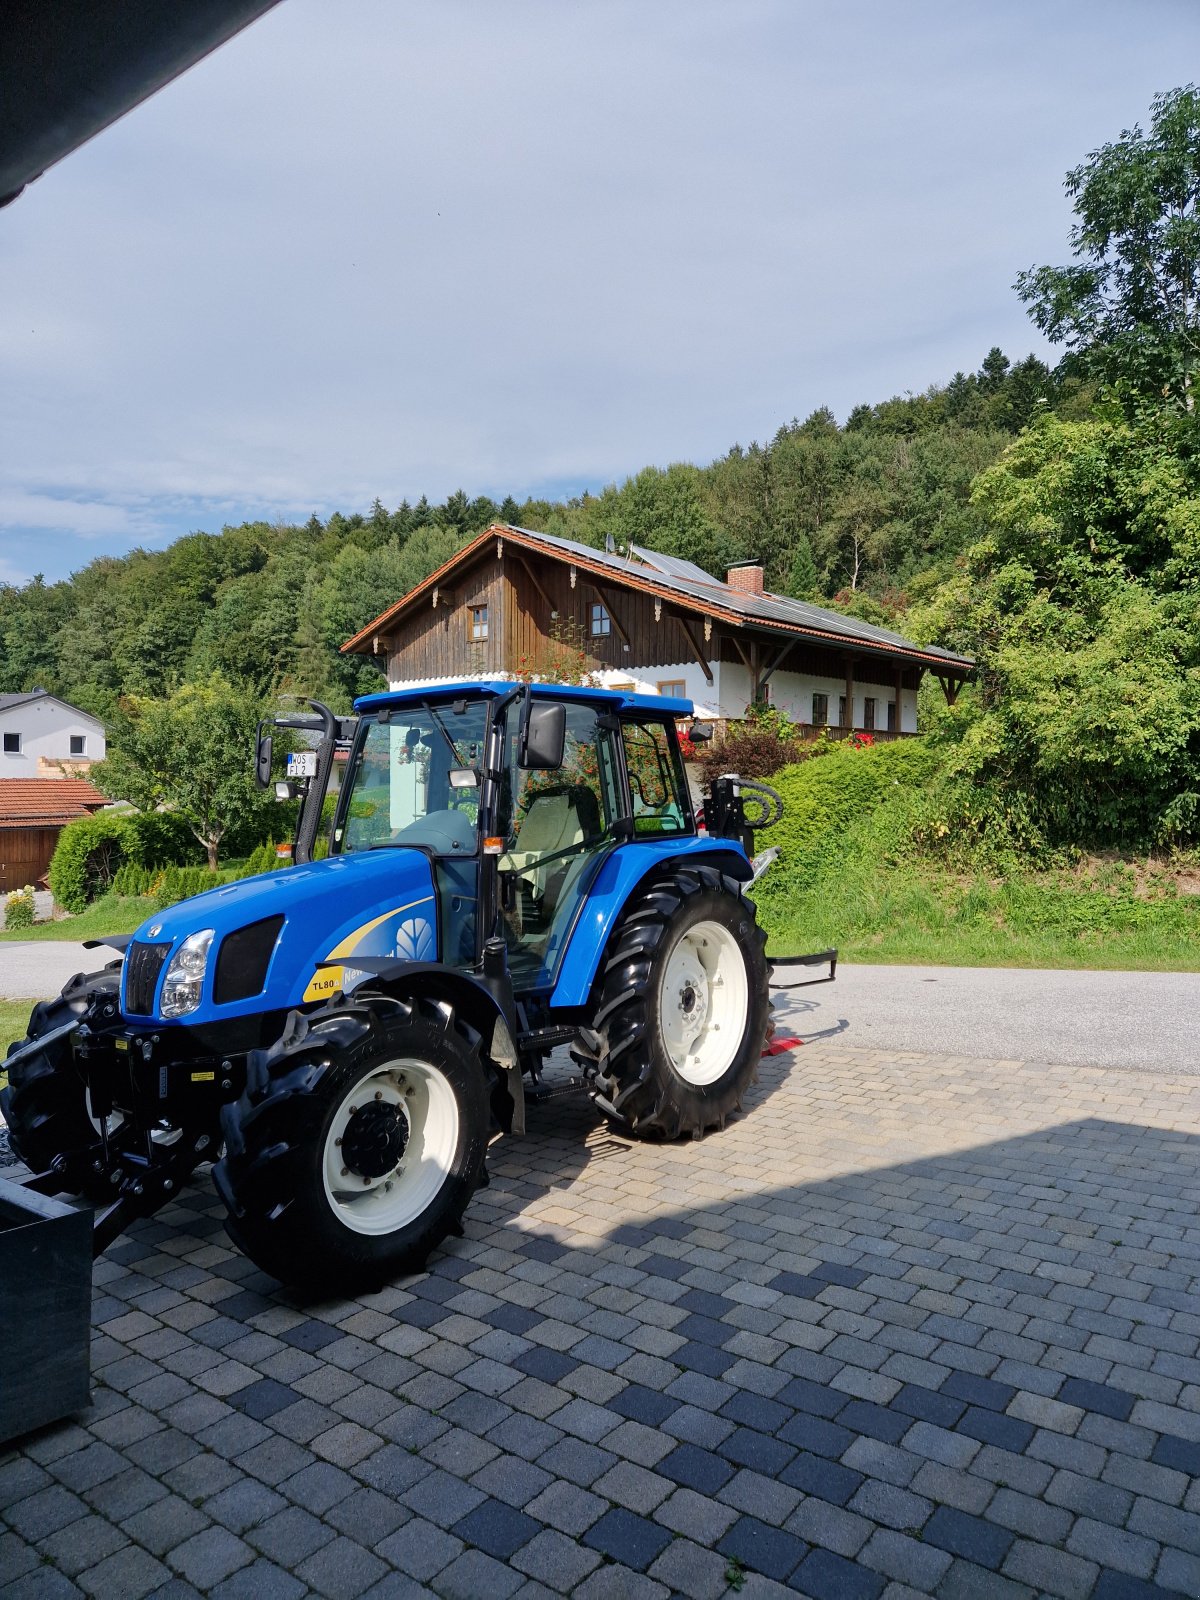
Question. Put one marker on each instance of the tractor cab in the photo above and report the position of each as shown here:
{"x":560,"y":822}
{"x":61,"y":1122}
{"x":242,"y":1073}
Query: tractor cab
{"x":515,"y":794}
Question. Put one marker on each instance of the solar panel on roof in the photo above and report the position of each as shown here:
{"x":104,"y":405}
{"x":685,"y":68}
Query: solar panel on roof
{"x":674,"y":566}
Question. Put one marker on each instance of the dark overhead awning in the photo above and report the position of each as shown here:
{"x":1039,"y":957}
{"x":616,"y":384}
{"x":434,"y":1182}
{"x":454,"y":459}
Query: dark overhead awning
{"x":70,"y":67}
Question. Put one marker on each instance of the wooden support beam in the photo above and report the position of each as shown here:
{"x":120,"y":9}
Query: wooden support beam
{"x":532,"y":576}
{"x":950,"y":687}
{"x":899,"y":698}
{"x":696,"y":650}
{"x":849,"y":723}
{"x":776,"y":659}
{"x":606,"y":602}
{"x":742,"y":651}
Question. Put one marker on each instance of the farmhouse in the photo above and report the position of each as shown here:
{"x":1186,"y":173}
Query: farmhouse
{"x":511,"y":598}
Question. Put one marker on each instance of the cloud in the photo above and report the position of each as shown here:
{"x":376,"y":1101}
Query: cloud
{"x":392,"y":248}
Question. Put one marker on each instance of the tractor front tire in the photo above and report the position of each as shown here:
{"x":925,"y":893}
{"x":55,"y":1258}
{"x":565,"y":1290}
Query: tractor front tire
{"x":45,"y":1103}
{"x":357,"y":1146}
{"x":683,"y":1006}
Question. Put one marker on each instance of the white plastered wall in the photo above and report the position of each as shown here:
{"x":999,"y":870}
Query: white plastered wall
{"x":45,"y":726}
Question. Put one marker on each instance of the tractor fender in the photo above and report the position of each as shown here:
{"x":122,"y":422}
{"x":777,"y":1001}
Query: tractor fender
{"x":474,"y":1002}
{"x":616,"y":880}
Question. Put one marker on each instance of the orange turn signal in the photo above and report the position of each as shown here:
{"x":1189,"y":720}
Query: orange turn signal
{"x":493,"y":847}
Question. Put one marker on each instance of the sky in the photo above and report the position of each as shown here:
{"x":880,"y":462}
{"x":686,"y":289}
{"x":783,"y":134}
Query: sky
{"x":531,"y":246}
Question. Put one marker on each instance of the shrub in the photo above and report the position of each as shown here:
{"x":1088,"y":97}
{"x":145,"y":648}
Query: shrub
{"x":18,"y":908}
{"x":92,"y":850}
{"x":755,"y":748}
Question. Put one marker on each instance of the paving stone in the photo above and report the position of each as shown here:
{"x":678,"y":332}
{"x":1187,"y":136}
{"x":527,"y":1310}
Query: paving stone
{"x":341,"y":1569}
{"x":1050,"y":1571}
{"x":829,"y":1576}
{"x":208,"y":1557}
{"x":165,"y":1524}
{"x":892,"y":1507}
{"x":964,"y":1535}
{"x":556,"y":1561}
{"x":690,"y":1569}
{"x":289,"y":1536}
{"x":420,"y":1549}
{"x":626,"y":1537}
{"x":473,"y":1574}
{"x":760,"y":1548}
{"x":130,"y":1572}
{"x":1112,"y":1547}
{"x":904,"y":1559}
{"x":81,"y":1544}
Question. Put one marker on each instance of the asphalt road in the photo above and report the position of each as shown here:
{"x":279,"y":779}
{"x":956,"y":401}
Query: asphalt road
{"x":1138,"y":1020}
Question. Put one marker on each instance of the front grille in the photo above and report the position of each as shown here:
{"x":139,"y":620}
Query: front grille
{"x":243,"y":959}
{"x":143,"y":963}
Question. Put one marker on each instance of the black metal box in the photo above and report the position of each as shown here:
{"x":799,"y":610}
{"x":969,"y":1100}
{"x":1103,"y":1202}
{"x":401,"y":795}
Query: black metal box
{"x":45,"y":1309}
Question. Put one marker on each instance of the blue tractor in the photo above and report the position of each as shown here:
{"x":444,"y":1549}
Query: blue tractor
{"x":510,"y":869}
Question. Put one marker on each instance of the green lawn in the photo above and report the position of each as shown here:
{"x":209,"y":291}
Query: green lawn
{"x":14,"y":1014}
{"x":885,"y":912}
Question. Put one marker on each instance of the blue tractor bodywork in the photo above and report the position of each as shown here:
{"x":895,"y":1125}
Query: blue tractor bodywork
{"x":384,"y":903}
{"x":511,"y":868}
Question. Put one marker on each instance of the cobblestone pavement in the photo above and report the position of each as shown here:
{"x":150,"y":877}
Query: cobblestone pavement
{"x":913,"y":1324}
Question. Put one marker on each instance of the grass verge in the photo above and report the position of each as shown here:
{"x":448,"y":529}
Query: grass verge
{"x":850,"y":875}
{"x":113,"y":914}
{"x":14,"y":1014}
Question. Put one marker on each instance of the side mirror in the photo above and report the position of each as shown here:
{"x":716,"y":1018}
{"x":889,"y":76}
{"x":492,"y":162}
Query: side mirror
{"x":700,"y":732}
{"x":543,"y":737}
{"x":262,"y":758}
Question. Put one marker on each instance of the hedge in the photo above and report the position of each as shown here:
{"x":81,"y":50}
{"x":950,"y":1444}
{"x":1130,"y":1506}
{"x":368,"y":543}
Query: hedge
{"x":92,"y":850}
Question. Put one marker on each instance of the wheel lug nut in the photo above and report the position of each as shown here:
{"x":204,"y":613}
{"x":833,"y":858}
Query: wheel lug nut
{"x":338,"y":1140}
{"x":379,"y":1094}
{"x":345,"y":1172}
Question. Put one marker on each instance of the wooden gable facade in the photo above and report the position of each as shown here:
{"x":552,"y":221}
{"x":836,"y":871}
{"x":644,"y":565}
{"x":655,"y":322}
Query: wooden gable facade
{"x":512,"y":599}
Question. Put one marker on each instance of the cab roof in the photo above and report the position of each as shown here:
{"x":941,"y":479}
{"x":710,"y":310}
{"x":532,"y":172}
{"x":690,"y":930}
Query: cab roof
{"x":491,"y":688}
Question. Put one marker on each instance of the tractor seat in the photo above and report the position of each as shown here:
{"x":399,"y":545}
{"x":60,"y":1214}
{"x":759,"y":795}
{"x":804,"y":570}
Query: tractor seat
{"x":557,"y":819}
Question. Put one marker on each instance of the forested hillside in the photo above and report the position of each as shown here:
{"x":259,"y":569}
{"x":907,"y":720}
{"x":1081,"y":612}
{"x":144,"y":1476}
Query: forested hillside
{"x":865,"y":511}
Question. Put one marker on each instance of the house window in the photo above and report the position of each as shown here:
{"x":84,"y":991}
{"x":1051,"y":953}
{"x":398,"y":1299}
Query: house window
{"x":676,"y":688}
{"x":78,"y":744}
{"x":12,"y":744}
{"x":601,"y":621}
{"x":891,"y":720}
{"x":479,"y":622}
{"x":868,"y":713}
{"x":820,"y":710}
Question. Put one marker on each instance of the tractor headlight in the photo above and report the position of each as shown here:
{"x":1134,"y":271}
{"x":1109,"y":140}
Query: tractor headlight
{"x":185,"y":976}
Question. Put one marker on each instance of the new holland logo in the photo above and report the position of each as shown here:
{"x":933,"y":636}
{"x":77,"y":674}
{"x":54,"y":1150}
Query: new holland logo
{"x":414,"y":940}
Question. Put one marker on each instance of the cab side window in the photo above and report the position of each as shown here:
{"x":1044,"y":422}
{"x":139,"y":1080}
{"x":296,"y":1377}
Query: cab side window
{"x":656,"y":782}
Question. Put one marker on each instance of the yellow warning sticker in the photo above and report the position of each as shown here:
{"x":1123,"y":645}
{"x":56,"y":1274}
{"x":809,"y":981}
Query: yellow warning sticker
{"x":121,"y":1044}
{"x":203,"y":1077}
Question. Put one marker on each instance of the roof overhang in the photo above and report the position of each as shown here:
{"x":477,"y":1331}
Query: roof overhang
{"x":69,"y":68}
{"x":644,"y":581}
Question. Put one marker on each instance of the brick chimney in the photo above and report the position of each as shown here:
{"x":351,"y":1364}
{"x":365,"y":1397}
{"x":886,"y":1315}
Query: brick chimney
{"x":746,"y":576}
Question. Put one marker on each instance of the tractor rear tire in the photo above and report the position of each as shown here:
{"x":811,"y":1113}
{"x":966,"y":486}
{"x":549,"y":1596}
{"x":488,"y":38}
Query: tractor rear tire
{"x":357,"y":1146}
{"x":45,"y":1104}
{"x":683,"y":1006}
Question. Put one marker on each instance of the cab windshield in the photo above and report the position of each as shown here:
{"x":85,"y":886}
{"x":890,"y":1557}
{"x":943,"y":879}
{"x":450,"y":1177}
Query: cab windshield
{"x":406,"y":784}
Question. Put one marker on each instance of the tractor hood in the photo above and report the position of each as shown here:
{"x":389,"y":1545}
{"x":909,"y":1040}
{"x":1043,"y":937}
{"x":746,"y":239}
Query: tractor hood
{"x":269,"y":934}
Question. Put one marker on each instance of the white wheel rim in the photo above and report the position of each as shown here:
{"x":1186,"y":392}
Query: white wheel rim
{"x":421,"y":1095}
{"x":703,"y":1001}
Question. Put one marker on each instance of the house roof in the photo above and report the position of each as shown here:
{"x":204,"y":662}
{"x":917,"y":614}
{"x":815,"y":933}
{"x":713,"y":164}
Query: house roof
{"x":9,"y":701}
{"x":46,"y":802}
{"x":688,"y":586}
